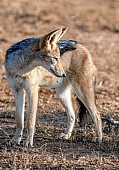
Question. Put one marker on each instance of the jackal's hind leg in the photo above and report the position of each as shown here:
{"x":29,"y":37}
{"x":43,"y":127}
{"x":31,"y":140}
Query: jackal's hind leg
{"x":86,"y":95}
{"x":32,"y":93}
{"x":98,"y":123}
{"x":19,"y":96}
{"x":64,"y":94}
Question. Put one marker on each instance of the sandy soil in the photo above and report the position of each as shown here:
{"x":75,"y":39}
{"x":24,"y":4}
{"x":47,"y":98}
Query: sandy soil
{"x":94,"y":23}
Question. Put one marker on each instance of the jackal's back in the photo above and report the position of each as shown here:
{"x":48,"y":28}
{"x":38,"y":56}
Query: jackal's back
{"x":32,"y":44}
{"x":26,"y":45}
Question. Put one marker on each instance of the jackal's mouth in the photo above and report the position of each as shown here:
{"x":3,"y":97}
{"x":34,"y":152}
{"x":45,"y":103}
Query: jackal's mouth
{"x":57,"y":73}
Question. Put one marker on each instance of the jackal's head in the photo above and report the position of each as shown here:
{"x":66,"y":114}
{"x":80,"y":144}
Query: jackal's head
{"x":50,"y":51}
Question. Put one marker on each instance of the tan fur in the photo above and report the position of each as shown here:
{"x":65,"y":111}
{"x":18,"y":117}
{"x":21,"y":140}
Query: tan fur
{"x":80,"y":72}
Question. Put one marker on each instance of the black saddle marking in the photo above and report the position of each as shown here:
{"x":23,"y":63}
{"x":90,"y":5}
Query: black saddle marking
{"x":66,"y":45}
{"x":20,"y":45}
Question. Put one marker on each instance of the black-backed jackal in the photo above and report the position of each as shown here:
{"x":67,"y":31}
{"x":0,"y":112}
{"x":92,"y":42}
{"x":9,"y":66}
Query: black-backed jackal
{"x":36,"y":62}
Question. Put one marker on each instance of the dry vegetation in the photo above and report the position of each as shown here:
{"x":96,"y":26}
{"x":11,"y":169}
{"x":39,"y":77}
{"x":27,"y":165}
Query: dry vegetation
{"x":95,"y":23}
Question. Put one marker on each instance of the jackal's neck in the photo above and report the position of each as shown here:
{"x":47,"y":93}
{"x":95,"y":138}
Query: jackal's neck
{"x":22,"y":63}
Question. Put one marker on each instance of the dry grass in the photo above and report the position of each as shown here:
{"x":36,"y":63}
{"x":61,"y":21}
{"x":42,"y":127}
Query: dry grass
{"x":96,"y":25}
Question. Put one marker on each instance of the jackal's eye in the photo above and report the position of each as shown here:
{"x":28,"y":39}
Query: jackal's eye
{"x":55,"y":58}
{"x":54,"y":61}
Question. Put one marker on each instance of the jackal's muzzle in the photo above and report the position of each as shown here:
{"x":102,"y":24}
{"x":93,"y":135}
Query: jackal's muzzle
{"x":58,"y":70}
{"x":57,"y":73}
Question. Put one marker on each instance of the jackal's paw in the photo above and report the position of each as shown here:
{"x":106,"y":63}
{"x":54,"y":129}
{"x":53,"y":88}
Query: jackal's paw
{"x":15,"y":140}
{"x":28,"y":143}
{"x":97,"y":139}
{"x":65,"y":136}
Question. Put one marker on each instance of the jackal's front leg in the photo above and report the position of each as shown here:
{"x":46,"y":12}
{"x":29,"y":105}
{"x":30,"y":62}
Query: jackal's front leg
{"x":64,"y":94}
{"x":19,"y":96}
{"x":31,"y":117}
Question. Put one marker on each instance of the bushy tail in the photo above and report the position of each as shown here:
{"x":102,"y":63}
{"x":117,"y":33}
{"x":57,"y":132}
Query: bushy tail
{"x":83,"y":114}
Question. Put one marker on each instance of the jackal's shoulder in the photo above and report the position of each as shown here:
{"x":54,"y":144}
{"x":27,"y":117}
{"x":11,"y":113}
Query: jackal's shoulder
{"x":25,"y":45}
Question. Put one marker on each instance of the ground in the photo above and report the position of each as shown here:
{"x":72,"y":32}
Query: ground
{"x":95,"y":24}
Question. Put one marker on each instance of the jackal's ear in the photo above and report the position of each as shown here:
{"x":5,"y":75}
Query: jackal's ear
{"x":50,"y":40}
{"x":63,"y":31}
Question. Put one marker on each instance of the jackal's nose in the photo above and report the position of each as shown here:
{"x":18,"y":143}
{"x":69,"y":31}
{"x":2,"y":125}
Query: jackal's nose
{"x":64,"y":75}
